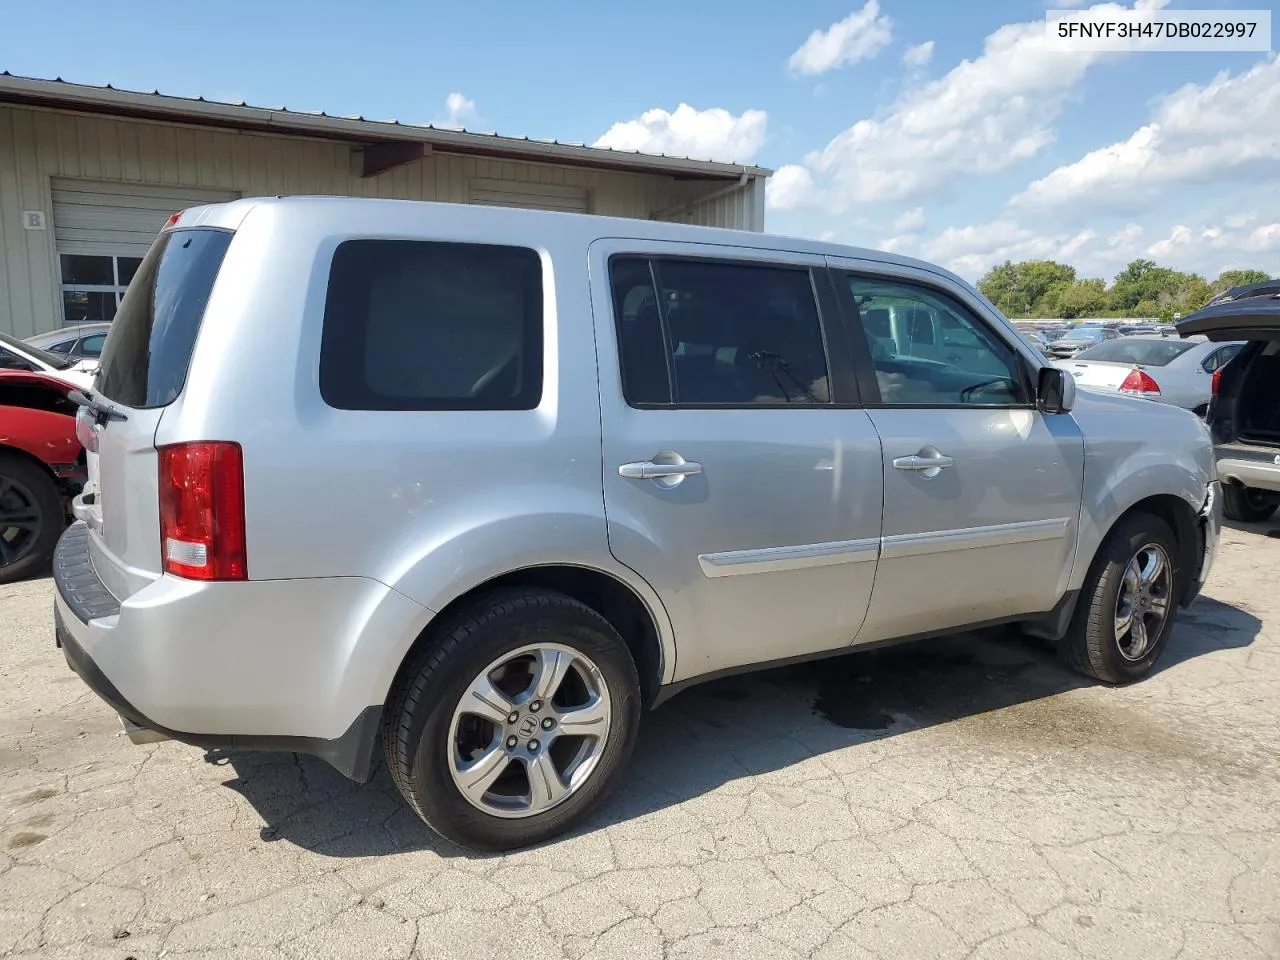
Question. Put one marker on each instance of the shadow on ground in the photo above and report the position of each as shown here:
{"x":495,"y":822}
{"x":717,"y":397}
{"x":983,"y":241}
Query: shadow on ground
{"x":751,"y":724}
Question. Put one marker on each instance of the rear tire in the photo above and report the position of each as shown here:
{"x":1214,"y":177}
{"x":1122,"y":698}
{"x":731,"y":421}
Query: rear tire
{"x":435,"y":743}
{"x":1095,"y":644}
{"x":1247,"y":504}
{"x":32,"y":517}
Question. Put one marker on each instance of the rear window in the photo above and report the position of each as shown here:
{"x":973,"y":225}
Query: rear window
{"x":422,"y":325}
{"x":1147,"y":353}
{"x":146,"y":356}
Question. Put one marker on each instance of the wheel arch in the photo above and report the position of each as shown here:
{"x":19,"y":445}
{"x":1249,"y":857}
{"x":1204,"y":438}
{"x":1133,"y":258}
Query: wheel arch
{"x":619,"y":602}
{"x":1182,"y":519}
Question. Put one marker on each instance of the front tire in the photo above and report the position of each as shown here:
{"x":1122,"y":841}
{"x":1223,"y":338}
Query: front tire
{"x":31,"y":517}
{"x":1128,"y":603}
{"x":513,"y":720}
{"x":1247,"y":504}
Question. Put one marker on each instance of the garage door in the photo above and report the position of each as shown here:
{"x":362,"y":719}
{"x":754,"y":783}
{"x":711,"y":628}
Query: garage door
{"x":533,"y":196}
{"x":103,"y":230}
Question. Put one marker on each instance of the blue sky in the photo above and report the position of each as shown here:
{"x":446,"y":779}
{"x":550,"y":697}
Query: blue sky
{"x":943,"y":130}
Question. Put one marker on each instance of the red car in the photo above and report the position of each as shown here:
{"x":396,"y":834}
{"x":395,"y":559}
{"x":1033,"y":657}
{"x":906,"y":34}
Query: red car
{"x":42,"y":465}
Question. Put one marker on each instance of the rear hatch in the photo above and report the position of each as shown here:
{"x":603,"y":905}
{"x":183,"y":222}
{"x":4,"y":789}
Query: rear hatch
{"x":143,"y":369}
{"x":1110,"y":364}
{"x":1246,"y":410}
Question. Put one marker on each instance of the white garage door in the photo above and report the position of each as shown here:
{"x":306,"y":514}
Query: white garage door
{"x":533,"y":196}
{"x":103,"y":230}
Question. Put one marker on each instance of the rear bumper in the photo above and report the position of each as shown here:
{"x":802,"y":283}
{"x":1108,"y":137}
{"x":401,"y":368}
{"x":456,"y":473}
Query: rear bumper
{"x":1259,"y":474}
{"x":294,"y":665}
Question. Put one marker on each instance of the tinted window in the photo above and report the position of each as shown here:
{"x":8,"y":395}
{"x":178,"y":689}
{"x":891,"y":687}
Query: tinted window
{"x":50,"y":359}
{"x":645,"y":360}
{"x":1220,"y":358}
{"x":929,"y":350}
{"x":146,"y":357}
{"x":91,"y":346}
{"x":1144,"y":351}
{"x":416,"y":325}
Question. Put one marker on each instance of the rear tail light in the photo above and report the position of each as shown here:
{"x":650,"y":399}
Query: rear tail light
{"x":1138,"y":382}
{"x":1215,"y":384}
{"x":202,"y":533}
{"x":86,"y":430}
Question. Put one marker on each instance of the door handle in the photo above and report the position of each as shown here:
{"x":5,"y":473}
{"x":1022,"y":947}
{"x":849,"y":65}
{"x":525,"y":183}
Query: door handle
{"x":929,"y":462}
{"x":667,"y":469}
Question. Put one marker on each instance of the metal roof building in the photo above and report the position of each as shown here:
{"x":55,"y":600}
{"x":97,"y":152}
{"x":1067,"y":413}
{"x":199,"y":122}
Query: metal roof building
{"x":89,"y":174}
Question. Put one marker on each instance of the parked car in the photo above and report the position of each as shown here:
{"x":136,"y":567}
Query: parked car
{"x":483,"y":483}
{"x":1081,"y":338}
{"x":1245,"y":413}
{"x":42,"y":465}
{"x":81,"y":342}
{"x":1173,"y":371}
{"x":17,"y":355}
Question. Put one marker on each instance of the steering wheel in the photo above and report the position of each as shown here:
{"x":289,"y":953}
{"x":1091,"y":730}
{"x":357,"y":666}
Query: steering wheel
{"x":967,"y":394}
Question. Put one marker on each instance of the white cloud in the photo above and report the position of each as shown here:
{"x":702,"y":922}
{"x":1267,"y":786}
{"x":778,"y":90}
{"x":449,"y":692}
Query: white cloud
{"x":859,"y":36}
{"x":791,"y":186}
{"x":459,"y":110}
{"x":713,"y":134}
{"x":1199,"y":134}
{"x":983,"y":116}
{"x":1208,"y":249}
{"x":909,"y":221}
{"x":919,"y":55}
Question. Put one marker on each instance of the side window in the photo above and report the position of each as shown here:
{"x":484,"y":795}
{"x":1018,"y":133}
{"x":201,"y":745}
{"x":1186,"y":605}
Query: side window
{"x":1220,"y":358}
{"x":11,"y":361}
{"x":419,"y":325}
{"x":730,"y":334}
{"x":62,"y":346}
{"x":937,"y":353}
{"x":91,"y":346}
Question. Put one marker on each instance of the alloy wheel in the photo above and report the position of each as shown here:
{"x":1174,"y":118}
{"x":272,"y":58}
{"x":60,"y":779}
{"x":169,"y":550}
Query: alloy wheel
{"x":20,"y":520}
{"x":529,"y":730}
{"x":1143,"y":603}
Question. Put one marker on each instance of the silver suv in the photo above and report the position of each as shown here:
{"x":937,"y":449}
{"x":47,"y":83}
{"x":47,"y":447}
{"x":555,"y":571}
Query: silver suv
{"x":476,"y":485}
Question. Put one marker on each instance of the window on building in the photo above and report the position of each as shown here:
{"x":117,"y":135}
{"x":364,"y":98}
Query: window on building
{"x":93,"y":286}
{"x":421,"y":325}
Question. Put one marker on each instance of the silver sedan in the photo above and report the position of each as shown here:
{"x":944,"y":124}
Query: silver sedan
{"x":1180,"y":372}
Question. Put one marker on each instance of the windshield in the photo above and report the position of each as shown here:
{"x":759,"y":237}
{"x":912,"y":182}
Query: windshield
{"x":1084,"y":333}
{"x":1146,"y":352}
{"x":44,"y":356}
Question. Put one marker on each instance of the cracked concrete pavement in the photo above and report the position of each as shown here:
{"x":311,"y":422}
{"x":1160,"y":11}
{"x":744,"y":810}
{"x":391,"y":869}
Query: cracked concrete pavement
{"x":959,"y":798}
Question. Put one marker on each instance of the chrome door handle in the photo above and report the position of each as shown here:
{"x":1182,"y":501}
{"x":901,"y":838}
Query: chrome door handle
{"x":648,"y":470}
{"x":929,"y":462}
{"x":923,"y":463}
{"x":667,"y":469}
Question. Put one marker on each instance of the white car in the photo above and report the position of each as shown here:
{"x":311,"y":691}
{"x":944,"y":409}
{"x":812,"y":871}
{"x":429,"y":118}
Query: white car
{"x":17,"y":355}
{"x":1180,"y":372}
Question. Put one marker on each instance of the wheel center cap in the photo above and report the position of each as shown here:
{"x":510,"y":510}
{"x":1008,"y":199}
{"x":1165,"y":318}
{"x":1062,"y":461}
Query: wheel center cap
{"x":527,"y":727}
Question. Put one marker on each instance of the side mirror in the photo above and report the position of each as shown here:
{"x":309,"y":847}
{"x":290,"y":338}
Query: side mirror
{"x":1055,"y":391}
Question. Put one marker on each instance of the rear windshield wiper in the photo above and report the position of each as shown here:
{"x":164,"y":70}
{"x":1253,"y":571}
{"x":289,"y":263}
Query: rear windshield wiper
{"x":101,"y":411}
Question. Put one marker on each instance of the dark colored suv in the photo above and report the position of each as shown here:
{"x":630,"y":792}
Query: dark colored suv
{"x":1244,"y":414}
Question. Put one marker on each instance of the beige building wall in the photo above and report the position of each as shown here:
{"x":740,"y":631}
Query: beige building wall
{"x":37,"y":145}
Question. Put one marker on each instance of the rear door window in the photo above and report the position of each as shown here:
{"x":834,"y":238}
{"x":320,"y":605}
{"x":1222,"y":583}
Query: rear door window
{"x":146,"y":357}
{"x":424,"y":325}
{"x":718,"y":333}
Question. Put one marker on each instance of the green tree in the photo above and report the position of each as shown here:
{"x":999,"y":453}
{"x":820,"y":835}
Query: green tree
{"x":1084,"y":298}
{"x":1237,"y":278}
{"x":1144,"y":280}
{"x":1022,"y":289}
